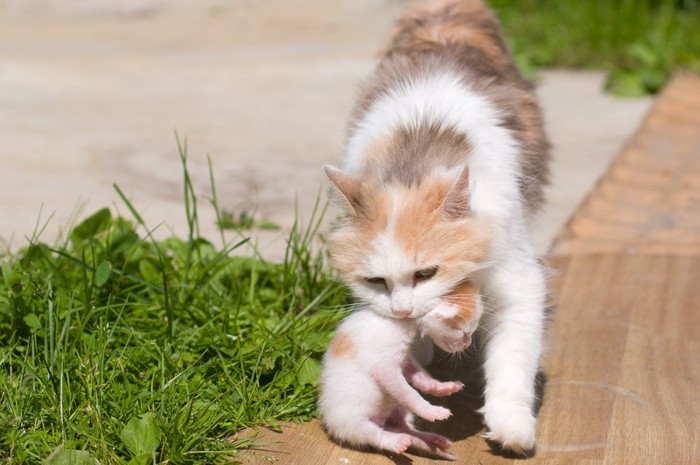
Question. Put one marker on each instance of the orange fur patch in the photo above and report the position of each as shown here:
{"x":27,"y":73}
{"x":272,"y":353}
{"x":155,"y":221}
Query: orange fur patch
{"x":423,"y":233}
{"x":342,"y":346}
{"x":349,"y":243}
{"x":464,"y":298}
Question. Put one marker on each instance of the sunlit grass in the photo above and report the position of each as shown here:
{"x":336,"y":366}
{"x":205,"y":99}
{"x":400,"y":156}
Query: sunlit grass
{"x":639,"y":42}
{"x":117,"y":348}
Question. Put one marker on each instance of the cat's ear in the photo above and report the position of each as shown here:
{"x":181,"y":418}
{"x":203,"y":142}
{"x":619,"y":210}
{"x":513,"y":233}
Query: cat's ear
{"x":456,"y":202}
{"x":346,"y":185}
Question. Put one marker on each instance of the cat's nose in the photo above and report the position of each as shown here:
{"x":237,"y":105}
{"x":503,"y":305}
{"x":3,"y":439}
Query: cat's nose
{"x":401,"y":313}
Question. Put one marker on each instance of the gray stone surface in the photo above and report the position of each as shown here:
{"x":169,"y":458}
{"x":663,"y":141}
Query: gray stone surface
{"x":92,"y":91}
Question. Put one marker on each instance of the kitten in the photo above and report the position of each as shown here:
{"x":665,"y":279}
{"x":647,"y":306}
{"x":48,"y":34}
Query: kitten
{"x":365,"y":398}
{"x":443,"y":170}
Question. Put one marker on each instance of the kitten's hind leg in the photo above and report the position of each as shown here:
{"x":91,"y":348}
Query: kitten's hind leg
{"x":368,"y":433}
{"x":397,"y":443}
{"x":400,"y":422}
{"x":392,"y":441}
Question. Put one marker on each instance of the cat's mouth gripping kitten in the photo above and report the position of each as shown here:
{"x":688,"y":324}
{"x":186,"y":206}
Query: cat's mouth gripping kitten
{"x":453,"y":321}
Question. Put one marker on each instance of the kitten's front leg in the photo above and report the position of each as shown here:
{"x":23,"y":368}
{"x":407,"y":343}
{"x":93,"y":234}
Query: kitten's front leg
{"x":514,"y":343}
{"x":422,"y":380}
{"x":392,"y":381}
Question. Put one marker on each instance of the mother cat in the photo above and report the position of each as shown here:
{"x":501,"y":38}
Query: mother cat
{"x":446,"y":134}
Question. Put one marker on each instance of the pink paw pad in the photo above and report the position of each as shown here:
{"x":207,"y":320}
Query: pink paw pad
{"x":399,"y":443}
{"x":448,"y":388}
{"x":438,"y":441}
{"x":436,"y":413}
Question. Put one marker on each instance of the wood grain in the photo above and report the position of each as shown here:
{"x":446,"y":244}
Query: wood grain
{"x":649,"y":200}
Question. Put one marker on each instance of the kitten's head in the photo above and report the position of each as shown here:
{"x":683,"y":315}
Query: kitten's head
{"x":453,"y":321}
{"x":401,"y":248}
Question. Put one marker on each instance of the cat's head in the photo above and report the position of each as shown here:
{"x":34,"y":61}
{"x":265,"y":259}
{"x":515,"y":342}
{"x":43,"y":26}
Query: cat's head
{"x":400,"y":248}
{"x":452,"y":322}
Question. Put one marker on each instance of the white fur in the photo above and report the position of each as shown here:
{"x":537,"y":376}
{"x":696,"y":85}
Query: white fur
{"x":514,"y":282}
{"x":361,"y":390}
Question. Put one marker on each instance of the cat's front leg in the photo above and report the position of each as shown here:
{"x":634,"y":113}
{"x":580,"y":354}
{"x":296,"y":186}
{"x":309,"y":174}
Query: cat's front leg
{"x":514,"y":340}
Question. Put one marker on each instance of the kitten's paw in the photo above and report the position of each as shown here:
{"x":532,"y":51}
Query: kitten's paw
{"x":446,"y":388}
{"x":441,"y":442}
{"x":513,"y":428}
{"x":434,"y":413}
{"x":437,"y":388}
{"x":396,"y":443}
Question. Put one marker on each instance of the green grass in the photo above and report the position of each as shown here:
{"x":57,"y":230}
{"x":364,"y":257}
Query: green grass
{"x":119,"y":349}
{"x":639,"y":42}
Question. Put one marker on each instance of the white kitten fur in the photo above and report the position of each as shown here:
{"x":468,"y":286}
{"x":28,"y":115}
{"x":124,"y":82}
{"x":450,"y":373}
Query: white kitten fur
{"x":365,"y":398}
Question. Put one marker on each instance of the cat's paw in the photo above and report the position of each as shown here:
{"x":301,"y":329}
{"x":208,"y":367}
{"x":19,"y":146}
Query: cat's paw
{"x":434,"y":413}
{"x":513,"y":428}
{"x":396,"y":443}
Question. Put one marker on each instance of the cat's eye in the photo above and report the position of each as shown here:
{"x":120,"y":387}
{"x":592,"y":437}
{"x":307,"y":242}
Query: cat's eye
{"x":426,"y":273}
{"x":376,"y":281}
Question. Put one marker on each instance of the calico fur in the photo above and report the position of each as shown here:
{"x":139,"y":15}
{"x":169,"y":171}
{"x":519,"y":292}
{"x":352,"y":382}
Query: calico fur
{"x":443,"y":170}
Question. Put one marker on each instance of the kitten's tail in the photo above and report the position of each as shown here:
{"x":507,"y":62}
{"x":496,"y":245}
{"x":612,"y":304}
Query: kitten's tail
{"x":420,"y":445}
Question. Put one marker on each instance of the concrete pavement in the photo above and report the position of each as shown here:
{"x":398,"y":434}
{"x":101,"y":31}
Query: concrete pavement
{"x":92,"y":91}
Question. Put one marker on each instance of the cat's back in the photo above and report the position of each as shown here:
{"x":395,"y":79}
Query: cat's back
{"x":463,"y":35}
{"x":445,"y":58}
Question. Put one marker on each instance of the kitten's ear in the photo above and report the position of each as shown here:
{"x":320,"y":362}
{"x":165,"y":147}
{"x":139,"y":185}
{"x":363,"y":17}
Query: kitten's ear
{"x":456,"y":202}
{"x":346,"y":185}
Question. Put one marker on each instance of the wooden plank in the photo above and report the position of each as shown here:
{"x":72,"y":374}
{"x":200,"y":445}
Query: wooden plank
{"x":622,"y":375}
{"x":649,"y":201}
